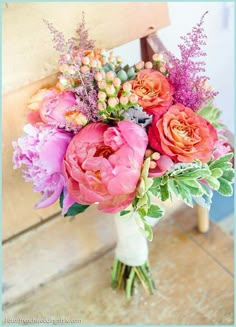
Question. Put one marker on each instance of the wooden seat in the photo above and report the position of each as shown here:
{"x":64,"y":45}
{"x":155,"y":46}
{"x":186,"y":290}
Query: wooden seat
{"x":54,"y":267}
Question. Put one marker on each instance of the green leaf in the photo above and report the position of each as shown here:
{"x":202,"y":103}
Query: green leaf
{"x":213,"y":182}
{"x":155,"y":211}
{"x":206,"y":199}
{"x":164,"y":190}
{"x":144,"y":227}
{"x":185,"y":193}
{"x":225,"y":188}
{"x":221,"y":161}
{"x":124,"y":212}
{"x":198,"y":173}
{"x":142,"y":212}
{"x":75,"y":209}
{"x":172,"y":187}
{"x":194,"y":187}
{"x":155,"y":188}
{"x":228,"y":175}
{"x":212,"y":114}
{"x":216,"y":172}
{"x":148,"y":231}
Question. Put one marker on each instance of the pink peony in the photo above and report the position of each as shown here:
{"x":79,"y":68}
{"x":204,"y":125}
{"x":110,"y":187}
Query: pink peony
{"x":103,"y":164}
{"x":50,"y":106}
{"x":41,"y":151}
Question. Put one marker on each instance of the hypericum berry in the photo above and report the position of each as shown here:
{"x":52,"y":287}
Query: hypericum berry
{"x":110,"y":76}
{"x":162,"y":69}
{"x":148,"y":152}
{"x":102,"y":85}
{"x":86,"y":61}
{"x":98,"y":77}
{"x":139,"y":65}
{"x":102,"y":106}
{"x":112,"y":102}
{"x":111,"y":59}
{"x":84,"y":69}
{"x":102,"y":96}
{"x":148,"y":65}
{"x":153,"y":164}
{"x":127,"y":87}
{"x":157,"y":57}
{"x":110,"y":90}
{"x":118,"y":59}
{"x":133,"y":98}
{"x":93,"y":63}
{"x":124,"y":100}
{"x":116,"y":82}
{"x":156,"y":156}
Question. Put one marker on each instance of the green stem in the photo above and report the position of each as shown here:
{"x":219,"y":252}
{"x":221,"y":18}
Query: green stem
{"x":124,"y":275}
{"x":130,"y":284}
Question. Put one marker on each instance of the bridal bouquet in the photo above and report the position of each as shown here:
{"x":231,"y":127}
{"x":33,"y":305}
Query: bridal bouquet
{"x":119,"y":136}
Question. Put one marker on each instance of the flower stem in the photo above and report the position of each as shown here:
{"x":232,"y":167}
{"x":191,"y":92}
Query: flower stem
{"x":124,"y":276}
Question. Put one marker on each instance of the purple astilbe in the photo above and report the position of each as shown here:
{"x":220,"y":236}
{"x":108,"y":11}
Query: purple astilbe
{"x":41,"y":152}
{"x":86,"y":96}
{"x":58,"y":37}
{"x":82,"y":40}
{"x":185,"y":74}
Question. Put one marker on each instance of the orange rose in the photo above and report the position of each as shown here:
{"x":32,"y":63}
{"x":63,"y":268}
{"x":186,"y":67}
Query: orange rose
{"x":153,"y":90}
{"x":183,"y":135}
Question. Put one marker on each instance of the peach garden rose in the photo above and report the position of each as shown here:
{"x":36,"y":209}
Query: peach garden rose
{"x":183,"y":135}
{"x":153,"y":90}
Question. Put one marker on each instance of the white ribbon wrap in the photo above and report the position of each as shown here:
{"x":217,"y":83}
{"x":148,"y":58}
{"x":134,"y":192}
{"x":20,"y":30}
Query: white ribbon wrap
{"x":132,"y":246}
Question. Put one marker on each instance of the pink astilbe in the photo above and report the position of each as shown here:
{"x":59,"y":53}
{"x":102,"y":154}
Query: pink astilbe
{"x":185,"y":74}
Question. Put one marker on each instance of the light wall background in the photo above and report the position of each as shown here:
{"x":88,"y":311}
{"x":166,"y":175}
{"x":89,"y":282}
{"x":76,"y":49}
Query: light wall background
{"x":219,"y":26}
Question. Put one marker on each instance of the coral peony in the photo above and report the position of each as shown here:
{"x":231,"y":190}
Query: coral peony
{"x":103,"y":164}
{"x":183,"y":135}
{"x":42,"y":151}
{"x":153,"y":90}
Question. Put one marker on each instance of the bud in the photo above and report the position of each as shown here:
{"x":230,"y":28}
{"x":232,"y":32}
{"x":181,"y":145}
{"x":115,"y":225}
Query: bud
{"x":116,"y":82}
{"x":98,"y":77}
{"x":112,"y":102}
{"x":148,"y":65}
{"x":124,"y":100}
{"x":102,"y":96}
{"x":86,"y":61}
{"x":102,"y":106}
{"x":152,"y":165}
{"x":156,"y":156}
{"x":157,"y":57}
{"x":133,"y":98}
{"x":140,"y":65}
{"x":84,"y":69}
{"x":110,"y":90}
{"x":110,"y":76}
{"x":127,"y":87}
